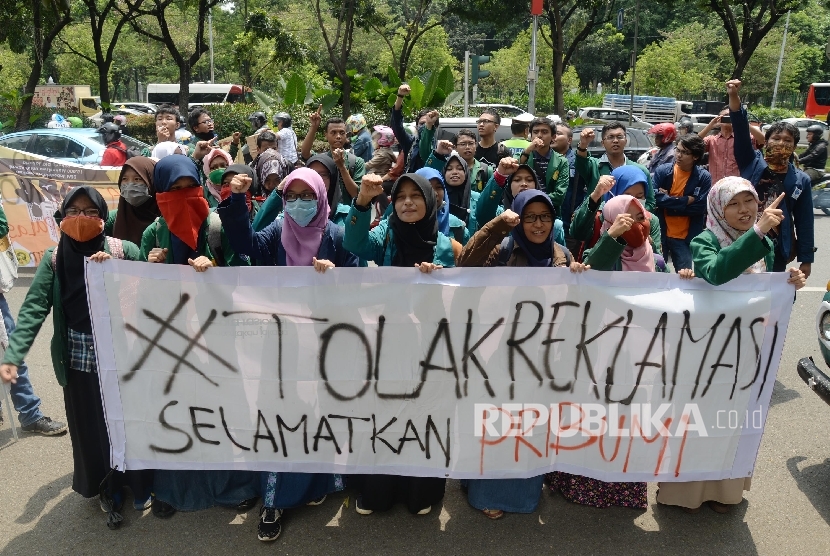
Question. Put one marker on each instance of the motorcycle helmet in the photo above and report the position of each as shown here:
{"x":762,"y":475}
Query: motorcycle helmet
{"x":257,"y":120}
{"x":284,"y":116}
{"x":816,"y":130}
{"x":110,"y":132}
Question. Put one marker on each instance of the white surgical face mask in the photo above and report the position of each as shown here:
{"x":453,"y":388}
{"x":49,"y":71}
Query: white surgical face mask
{"x":135,"y":193}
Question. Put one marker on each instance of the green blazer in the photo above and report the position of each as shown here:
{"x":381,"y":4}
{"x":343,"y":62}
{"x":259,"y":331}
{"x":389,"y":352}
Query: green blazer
{"x":43,"y":296}
{"x":718,"y":265}
{"x":157,"y":234}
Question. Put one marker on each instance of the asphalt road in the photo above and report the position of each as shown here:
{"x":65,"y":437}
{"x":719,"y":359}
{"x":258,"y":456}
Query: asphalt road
{"x":786,"y":512}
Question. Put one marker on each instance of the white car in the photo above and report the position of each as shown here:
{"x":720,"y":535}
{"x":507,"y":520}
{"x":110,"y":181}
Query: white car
{"x":802,"y":124}
{"x":145,"y":107}
{"x":699,"y":121}
{"x":600,"y":114}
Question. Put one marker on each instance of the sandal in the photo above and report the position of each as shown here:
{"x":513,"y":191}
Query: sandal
{"x":493,"y":514}
{"x":719,"y":508}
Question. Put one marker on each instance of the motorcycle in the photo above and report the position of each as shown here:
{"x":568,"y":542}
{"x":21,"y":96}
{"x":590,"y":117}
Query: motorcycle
{"x":821,"y":194}
{"x":807,"y":369}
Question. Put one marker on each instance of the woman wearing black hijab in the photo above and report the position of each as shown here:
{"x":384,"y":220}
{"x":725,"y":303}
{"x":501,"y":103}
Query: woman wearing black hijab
{"x":59,"y":285}
{"x":409,"y":237}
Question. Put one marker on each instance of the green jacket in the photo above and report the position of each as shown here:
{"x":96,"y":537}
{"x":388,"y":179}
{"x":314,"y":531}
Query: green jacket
{"x":110,"y":222}
{"x":43,"y":296}
{"x":582,"y":226}
{"x":377,"y":244}
{"x":478,"y":174}
{"x":718,"y":265}
{"x":557,"y":177}
{"x":4,"y":223}
{"x":591,"y":169}
{"x":157,"y":234}
{"x":605,"y":255}
{"x":438,"y":163}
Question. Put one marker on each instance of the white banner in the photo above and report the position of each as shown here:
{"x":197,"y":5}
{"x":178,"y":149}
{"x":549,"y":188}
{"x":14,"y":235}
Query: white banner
{"x":462,"y":373}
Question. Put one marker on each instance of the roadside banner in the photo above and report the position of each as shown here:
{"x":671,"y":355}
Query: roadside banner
{"x":466,"y":373}
{"x":33,"y":188}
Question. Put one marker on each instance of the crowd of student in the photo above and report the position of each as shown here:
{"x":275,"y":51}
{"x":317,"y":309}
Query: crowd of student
{"x":466,"y":203}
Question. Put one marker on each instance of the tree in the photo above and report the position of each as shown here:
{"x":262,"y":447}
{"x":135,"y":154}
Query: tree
{"x":570,"y":22}
{"x":32,"y":26}
{"x":339,"y":41}
{"x":404,"y":24}
{"x":102,"y":14}
{"x":684,"y":62}
{"x":158,"y":11}
{"x":746,"y":30}
{"x":600,"y":56}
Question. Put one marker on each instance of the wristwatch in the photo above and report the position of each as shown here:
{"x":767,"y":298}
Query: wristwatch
{"x":580,"y":149}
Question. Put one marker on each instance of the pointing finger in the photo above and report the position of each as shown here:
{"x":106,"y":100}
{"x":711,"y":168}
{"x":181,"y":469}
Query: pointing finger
{"x":777,"y":201}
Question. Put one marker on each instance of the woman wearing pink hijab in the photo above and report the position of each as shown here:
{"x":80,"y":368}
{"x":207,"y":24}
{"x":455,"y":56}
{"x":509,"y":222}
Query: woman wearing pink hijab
{"x":303,"y":237}
{"x":624,"y":243}
{"x":216,"y":161}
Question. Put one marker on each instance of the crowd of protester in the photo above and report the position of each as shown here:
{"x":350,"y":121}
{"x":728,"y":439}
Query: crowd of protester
{"x":467,"y":202}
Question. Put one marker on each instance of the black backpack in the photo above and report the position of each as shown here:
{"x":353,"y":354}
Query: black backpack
{"x":131,"y":152}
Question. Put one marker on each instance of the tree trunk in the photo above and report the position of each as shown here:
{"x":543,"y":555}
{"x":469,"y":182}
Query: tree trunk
{"x":103,"y":82}
{"x":41,"y":47}
{"x":184,"y":86}
{"x":558,"y":70}
{"x":22,"y":121}
{"x":347,"y":95}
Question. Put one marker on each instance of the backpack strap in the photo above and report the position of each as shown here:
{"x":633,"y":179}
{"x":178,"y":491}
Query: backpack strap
{"x":505,"y":250}
{"x":116,"y":247}
{"x":158,"y":226}
{"x":565,"y":251}
{"x":116,"y":250}
{"x":215,"y":238}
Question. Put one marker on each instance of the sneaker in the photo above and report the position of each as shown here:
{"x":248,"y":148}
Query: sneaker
{"x":425,"y":511}
{"x":359,"y":509}
{"x":318,"y":501}
{"x":162,"y":509}
{"x":269,"y":527}
{"x":141,"y":505}
{"x":113,"y":504}
{"x":46,"y":427}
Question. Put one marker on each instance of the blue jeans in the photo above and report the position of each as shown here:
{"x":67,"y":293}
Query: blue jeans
{"x":681,"y":253}
{"x":24,"y":399}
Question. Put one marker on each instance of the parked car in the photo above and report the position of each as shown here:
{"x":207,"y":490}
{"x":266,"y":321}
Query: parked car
{"x":78,"y":145}
{"x":598,"y":114}
{"x":449,"y":127}
{"x":638,"y":142}
{"x":503,"y":110}
{"x":699,"y":121}
{"x":802,"y":124}
{"x":98,"y":119}
{"x":143,"y":107}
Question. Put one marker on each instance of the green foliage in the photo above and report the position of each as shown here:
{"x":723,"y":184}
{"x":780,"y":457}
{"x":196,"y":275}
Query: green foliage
{"x":774,"y":114}
{"x":683,"y":62}
{"x":574,"y":101}
{"x":294,"y":91}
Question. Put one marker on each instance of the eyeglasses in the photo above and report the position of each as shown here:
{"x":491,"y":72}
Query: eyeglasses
{"x":467,"y":144}
{"x":290,"y":197}
{"x":531,"y":218}
{"x":614,"y":138}
{"x":208,"y":121}
{"x":72,"y":211}
{"x":483,"y":121}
